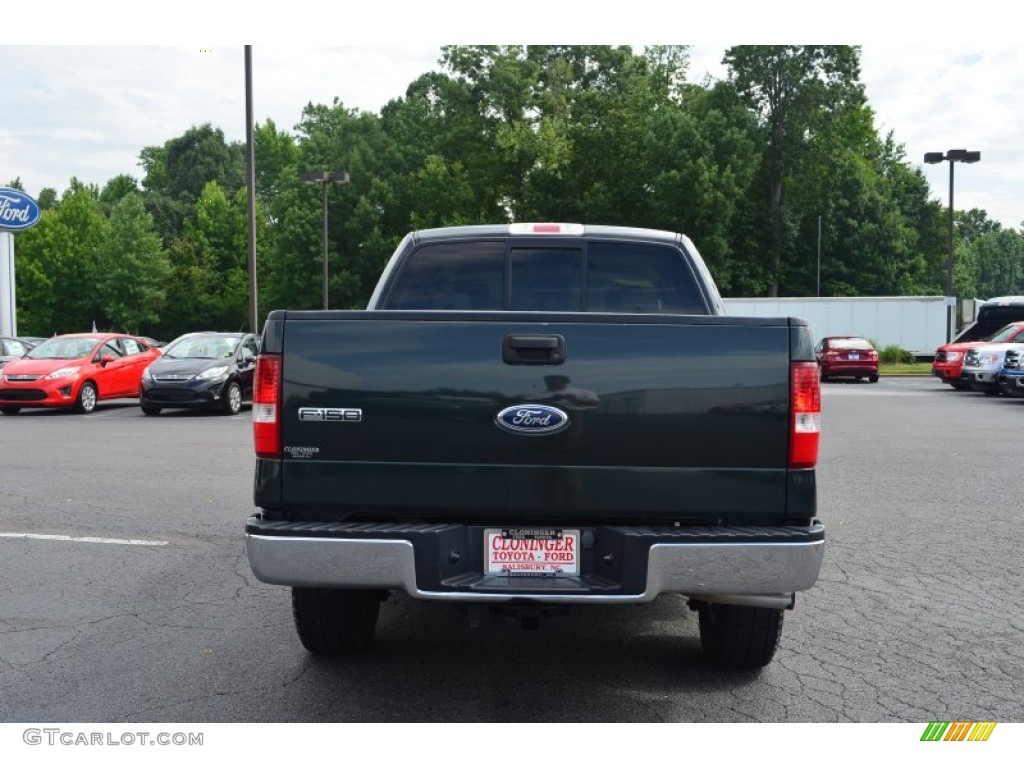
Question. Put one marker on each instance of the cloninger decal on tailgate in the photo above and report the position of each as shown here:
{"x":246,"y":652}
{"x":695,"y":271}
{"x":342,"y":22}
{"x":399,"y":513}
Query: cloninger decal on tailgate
{"x":301,"y":451}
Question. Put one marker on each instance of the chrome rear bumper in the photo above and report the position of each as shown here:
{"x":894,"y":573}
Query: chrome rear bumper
{"x":745,"y":572}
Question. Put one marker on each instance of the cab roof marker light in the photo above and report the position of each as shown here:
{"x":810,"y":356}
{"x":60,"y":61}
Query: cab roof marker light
{"x":545,"y":229}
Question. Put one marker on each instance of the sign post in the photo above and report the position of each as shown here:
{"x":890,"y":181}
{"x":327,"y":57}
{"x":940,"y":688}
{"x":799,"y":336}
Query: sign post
{"x":18,"y":212}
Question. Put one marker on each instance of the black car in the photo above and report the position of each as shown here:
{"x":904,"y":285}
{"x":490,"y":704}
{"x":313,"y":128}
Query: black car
{"x":12,"y":349}
{"x":201,"y":370}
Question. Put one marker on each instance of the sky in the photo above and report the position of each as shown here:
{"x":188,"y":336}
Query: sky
{"x":80,"y":98}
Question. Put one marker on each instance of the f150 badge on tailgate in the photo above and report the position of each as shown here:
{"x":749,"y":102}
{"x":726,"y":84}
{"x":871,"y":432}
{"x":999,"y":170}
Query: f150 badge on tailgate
{"x":532,"y":419}
{"x":331,"y":414}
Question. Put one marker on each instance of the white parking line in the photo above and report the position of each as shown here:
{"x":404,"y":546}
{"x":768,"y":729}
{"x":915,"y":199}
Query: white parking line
{"x":85,"y":539}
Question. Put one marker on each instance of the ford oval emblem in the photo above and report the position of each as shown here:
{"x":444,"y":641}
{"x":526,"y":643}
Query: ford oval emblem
{"x":532,"y":419}
{"x":17,"y":210}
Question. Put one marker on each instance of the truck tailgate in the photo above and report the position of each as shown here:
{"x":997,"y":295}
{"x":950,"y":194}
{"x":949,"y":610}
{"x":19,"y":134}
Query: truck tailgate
{"x":669,"y":417}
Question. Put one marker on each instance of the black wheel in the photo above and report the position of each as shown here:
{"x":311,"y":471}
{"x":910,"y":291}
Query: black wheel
{"x":739,"y":636}
{"x":151,"y":410}
{"x":958,"y":385}
{"x":335,"y":621}
{"x":87,"y":395}
{"x":10,"y":410}
{"x":873,"y":378}
{"x":232,"y":398}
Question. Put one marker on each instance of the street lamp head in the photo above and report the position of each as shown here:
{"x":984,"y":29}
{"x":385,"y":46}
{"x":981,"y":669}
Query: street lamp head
{"x":933,"y":157}
{"x":963,"y":156}
{"x":323,"y":177}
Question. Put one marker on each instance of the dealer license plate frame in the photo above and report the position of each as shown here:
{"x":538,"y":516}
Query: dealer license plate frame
{"x":545,"y":559}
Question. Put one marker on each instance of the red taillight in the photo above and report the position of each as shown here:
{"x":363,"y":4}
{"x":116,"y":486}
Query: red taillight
{"x":805,"y":405}
{"x":266,"y":407}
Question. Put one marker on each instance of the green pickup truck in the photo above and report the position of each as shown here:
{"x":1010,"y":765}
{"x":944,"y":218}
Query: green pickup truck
{"x":533,"y":416}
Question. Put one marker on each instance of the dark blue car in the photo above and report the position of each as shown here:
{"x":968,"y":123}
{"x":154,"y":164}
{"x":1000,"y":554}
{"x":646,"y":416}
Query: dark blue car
{"x":201,"y":370}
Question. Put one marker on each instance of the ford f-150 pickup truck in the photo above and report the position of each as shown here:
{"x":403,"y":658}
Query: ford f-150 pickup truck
{"x":532,"y":416}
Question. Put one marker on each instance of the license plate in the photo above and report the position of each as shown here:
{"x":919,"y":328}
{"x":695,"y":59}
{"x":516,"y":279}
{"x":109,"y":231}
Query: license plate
{"x":531,"y":551}
{"x":854,"y":356}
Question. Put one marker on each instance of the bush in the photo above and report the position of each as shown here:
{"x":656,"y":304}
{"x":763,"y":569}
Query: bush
{"x":895,"y":354}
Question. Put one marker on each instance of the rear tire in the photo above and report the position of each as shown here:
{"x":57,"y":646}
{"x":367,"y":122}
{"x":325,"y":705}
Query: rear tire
{"x":873,"y":378}
{"x":10,"y":410}
{"x":958,"y":385}
{"x":151,"y":410}
{"x":335,"y":621}
{"x":739,"y":636}
{"x":87,"y":396}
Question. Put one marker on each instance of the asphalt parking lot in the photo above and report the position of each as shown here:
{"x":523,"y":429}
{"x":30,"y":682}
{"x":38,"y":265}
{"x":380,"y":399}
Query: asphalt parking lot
{"x":127,"y":596}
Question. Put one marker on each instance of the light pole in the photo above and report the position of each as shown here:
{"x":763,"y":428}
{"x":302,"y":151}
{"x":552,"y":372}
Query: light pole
{"x":953,"y":156}
{"x":323,"y":178}
{"x":250,"y":175}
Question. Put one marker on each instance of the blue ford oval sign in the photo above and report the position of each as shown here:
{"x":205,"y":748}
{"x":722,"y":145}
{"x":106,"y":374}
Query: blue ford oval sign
{"x":532,"y":419}
{"x":17,"y":210}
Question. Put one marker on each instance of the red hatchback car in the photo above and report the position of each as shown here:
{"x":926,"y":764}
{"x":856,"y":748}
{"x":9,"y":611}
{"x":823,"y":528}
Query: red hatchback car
{"x":75,"y":371}
{"x":847,"y":356}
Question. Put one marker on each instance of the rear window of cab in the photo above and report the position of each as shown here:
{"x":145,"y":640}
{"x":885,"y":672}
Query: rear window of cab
{"x":593,"y":277}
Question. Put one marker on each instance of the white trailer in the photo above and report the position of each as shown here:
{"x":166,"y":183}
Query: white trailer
{"x":915,"y":323}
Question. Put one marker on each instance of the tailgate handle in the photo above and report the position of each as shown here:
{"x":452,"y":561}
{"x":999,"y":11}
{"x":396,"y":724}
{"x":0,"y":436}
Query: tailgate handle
{"x":533,"y":349}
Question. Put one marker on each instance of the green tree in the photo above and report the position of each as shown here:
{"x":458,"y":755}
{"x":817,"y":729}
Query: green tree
{"x":209,"y":285}
{"x":132,"y":268}
{"x":277,"y":157}
{"x":705,"y":154}
{"x":47,"y":199}
{"x":57,"y":265}
{"x":177,"y":172}
{"x":114,"y":190}
{"x":878,"y":232}
{"x":362,"y":214}
{"x":999,"y":258}
{"x":794,"y":90}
